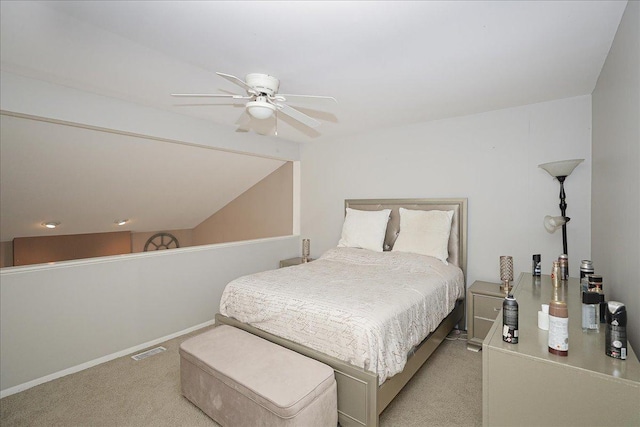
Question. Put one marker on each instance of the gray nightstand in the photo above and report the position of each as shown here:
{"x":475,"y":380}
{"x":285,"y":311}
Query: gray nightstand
{"x":484,"y":302}
{"x":292,"y":261}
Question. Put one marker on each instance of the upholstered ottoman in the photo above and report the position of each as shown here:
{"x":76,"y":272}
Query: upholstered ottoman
{"x":239,"y":379}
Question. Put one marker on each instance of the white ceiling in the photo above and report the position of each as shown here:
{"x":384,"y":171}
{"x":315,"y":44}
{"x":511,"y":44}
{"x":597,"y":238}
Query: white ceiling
{"x":388,"y":63}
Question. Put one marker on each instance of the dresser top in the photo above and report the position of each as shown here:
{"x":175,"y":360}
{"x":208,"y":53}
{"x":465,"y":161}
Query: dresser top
{"x":586,"y":350}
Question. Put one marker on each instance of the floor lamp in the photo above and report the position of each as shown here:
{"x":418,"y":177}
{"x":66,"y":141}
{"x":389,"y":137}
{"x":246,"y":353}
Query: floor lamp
{"x":560,"y":170}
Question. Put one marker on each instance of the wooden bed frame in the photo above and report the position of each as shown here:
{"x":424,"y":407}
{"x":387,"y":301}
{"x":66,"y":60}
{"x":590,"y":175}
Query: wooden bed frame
{"x":360,"y":398}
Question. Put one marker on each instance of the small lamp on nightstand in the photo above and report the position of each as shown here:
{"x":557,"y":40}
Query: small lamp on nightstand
{"x":560,"y":170}
{"x":506,"y":273}
{"x":306,"y":250}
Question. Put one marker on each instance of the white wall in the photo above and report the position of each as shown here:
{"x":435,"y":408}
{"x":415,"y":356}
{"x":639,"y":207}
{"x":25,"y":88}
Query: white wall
{"x":616,"y":176}
{"x":58,"y":318}
{"x":489,"y":158}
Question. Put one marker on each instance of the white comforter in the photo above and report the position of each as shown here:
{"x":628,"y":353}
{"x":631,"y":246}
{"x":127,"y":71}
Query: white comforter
{"x":363,"y":307}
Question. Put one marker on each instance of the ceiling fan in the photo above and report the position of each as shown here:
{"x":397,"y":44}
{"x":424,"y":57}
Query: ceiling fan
{"x":263,"y":98}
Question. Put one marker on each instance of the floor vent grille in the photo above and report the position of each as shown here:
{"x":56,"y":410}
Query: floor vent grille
{"x":148,"y":353}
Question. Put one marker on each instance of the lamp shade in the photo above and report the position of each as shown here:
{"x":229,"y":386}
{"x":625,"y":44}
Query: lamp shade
{"x":552,"y":223}
{"x":260,"y":110}
{"x":561,"y":168}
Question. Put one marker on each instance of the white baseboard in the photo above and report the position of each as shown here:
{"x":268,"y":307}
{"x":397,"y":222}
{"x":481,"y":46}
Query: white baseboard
{"x":91,"y":363}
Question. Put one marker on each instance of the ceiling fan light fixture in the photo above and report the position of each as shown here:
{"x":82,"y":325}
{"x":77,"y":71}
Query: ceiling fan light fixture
{"x":260,"y":110}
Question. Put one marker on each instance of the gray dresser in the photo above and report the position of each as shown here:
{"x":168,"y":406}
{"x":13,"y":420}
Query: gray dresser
{"x":523,"y":384}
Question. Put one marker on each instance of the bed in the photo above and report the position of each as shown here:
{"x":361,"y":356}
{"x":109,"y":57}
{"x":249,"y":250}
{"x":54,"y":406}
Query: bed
{"x":371,"y":366}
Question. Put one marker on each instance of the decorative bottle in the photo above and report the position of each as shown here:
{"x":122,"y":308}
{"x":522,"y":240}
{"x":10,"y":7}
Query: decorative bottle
{"x":555,"y":274}
{"x":563,"y":260}
{"x":558,"y":328}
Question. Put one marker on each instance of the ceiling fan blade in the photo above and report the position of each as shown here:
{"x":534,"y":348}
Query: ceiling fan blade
{"x":239,"y":82}
{"x":297,"y":115}
{"x":293,"y":97}
{"x":243,"y":122}
{"x":211,"y":95}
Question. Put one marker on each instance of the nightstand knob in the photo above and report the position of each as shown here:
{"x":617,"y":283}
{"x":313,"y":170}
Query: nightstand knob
{"x":496,"y":309}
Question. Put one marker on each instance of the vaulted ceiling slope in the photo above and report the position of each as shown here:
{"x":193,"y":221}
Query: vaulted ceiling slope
{"x":88,"y":179}
{"x":388,"y":63}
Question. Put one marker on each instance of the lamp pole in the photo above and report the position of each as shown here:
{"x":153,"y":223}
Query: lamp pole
{"x":563,"y":210}
{"x":561,"y":170}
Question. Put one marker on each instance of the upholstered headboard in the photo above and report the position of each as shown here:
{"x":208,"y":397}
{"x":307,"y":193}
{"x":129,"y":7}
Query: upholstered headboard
{"x":457,"y":237}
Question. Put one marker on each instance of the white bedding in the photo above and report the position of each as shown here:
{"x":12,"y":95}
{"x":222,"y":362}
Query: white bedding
{"x":363,"y":307}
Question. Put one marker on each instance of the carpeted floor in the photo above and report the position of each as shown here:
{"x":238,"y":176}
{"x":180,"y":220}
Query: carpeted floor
{"x":447,"y":391}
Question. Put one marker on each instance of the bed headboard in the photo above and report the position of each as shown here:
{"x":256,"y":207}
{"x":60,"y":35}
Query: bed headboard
{"x":457,"y":238}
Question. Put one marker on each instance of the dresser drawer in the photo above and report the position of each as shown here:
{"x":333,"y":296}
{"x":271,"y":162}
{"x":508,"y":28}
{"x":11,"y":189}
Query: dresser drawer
{"x":486,"y":307}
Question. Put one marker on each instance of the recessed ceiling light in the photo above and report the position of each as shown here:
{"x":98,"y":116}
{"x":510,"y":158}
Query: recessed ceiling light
{"x":51,"y":224}
{"x":121,"y":221}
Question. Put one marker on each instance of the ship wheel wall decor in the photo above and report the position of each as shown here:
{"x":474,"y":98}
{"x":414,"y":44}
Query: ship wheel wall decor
{"x":160,"y":241}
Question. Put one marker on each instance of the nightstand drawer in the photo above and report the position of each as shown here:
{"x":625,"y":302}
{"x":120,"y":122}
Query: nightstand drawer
{"x":486,"y":307}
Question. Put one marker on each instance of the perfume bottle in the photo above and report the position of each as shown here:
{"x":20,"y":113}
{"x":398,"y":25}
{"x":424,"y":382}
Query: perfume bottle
{"x":536,"y":267}
{"x":590,"y":312}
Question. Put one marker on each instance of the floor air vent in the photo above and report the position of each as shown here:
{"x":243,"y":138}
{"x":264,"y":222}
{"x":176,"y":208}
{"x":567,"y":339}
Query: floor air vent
{"x":148,"y":353}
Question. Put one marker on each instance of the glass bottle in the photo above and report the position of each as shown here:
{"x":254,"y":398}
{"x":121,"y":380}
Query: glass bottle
{"x":558,"y":328}
{"x":590,"y":312}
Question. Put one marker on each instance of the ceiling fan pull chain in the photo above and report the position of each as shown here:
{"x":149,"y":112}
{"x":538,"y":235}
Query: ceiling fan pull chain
{"x":276,"y":122}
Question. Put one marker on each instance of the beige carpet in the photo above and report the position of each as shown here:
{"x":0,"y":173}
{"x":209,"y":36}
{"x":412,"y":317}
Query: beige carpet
{"x":447,"y":391}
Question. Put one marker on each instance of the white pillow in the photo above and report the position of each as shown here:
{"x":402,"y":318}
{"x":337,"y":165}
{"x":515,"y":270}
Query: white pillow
{"x":364,"y":229}
{"x":424,"y":232}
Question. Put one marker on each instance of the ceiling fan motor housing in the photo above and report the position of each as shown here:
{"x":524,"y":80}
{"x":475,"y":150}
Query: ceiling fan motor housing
{"x":263,"y":83}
